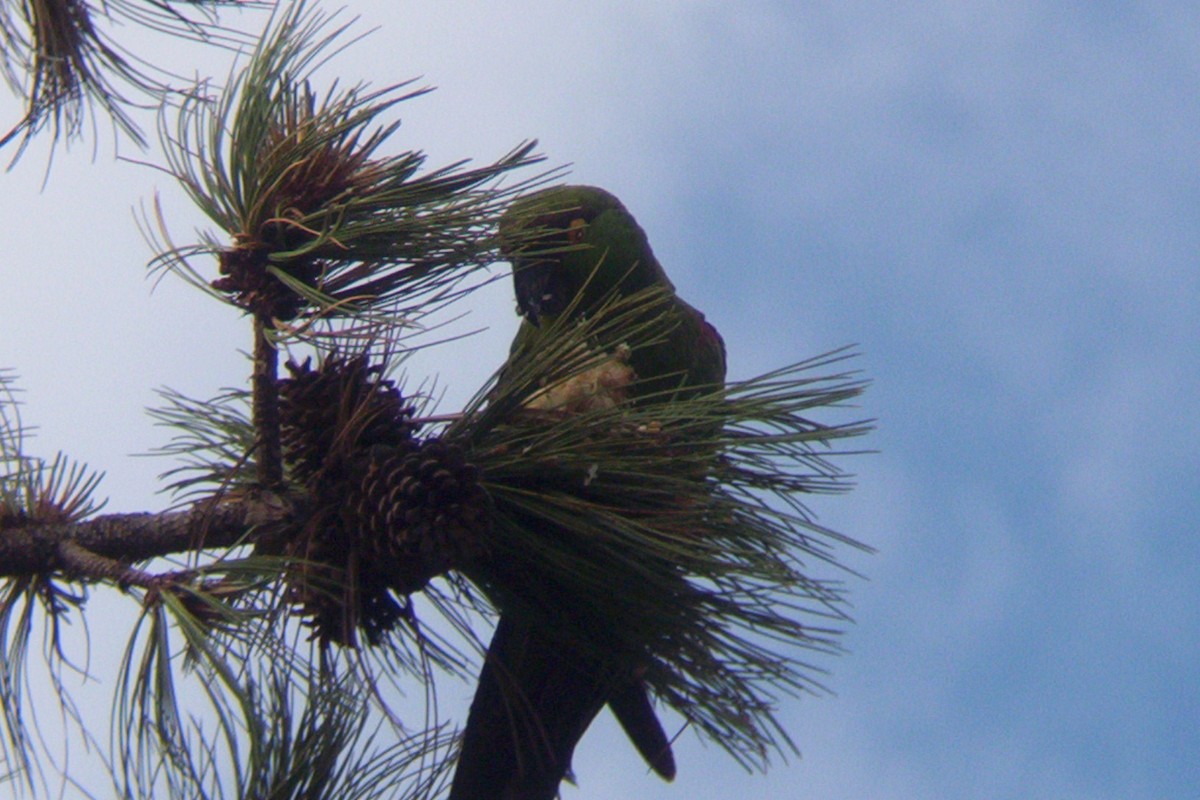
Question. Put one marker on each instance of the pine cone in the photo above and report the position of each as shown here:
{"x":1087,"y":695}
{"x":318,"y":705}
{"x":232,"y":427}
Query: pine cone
{"x":338,"y":409}
{"x":330,"y":418}
{"x":251,"y":285}
{"x":389,"y":512}
{"x":421,"y":511}
{"x":396,"y":518}
{"x":338,"y":585}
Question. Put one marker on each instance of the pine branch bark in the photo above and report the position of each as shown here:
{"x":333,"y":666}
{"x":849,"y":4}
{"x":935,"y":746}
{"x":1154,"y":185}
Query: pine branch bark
{"x":27,"y":549}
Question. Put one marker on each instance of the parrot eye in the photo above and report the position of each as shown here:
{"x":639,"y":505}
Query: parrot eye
{"x":575,"y":230}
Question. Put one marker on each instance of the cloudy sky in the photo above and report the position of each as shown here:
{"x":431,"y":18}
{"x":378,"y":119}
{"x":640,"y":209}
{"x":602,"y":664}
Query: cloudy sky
{"x":989,"y":198}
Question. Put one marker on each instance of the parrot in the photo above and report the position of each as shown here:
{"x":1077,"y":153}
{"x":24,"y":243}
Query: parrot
{"x":572,"y":248}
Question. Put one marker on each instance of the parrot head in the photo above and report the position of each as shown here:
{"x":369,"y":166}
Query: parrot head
{"x":571,"y":243}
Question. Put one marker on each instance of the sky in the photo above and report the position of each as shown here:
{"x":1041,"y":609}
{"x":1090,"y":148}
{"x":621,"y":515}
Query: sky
{"x":988,"y":199}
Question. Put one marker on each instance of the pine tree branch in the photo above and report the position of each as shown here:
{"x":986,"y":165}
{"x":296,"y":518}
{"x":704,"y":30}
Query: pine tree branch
{"x":268,"y":456}
{"x":84,"y":548}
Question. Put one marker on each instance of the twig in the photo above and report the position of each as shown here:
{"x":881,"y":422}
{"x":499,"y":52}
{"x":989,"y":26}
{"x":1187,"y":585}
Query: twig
{"x":89,"y":547}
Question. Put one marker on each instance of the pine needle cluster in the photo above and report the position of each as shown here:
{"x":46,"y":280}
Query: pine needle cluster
{"x":322,"y":222}
{"x":674,"y":533}
{"x":62,"y":58}
{"x":671,"y":535}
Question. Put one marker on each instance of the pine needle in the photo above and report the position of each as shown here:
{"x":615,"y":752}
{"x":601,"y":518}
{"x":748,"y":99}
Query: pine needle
{"x":675,"y":530}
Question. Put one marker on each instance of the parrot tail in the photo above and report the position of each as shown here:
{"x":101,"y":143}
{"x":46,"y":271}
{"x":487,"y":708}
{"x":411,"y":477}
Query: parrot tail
{"x":632,"y":707}
{"x":533,"y":703}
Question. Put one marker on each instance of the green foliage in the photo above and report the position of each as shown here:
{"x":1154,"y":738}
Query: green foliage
{"x":210,"y":441}
{"x":322,"y":223}
{"x":287,"y":725}
{"x":680,"y":530}
{"x":33,"y":492}
{"x":62,"y":58}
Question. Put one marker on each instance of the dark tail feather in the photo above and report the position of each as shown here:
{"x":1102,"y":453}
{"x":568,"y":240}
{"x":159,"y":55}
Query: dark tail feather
{"x":534,"y":701}
{"x":532,"y":705}
{"x":632,"y":707}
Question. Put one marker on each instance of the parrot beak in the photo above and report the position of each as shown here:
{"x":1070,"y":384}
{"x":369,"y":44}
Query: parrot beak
{"x":532,"y":317}
{"x":536,"y":289}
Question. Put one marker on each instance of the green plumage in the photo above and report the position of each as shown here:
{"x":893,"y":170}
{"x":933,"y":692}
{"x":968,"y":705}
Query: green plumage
{"x":577,"y":254}
{"x":606,"y":253}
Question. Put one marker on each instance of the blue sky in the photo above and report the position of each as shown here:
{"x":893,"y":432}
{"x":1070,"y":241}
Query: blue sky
{"x":995,"y":201}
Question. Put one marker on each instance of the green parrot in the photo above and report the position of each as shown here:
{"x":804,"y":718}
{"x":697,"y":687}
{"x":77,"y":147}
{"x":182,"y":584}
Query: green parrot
{"x":571,"y":249}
